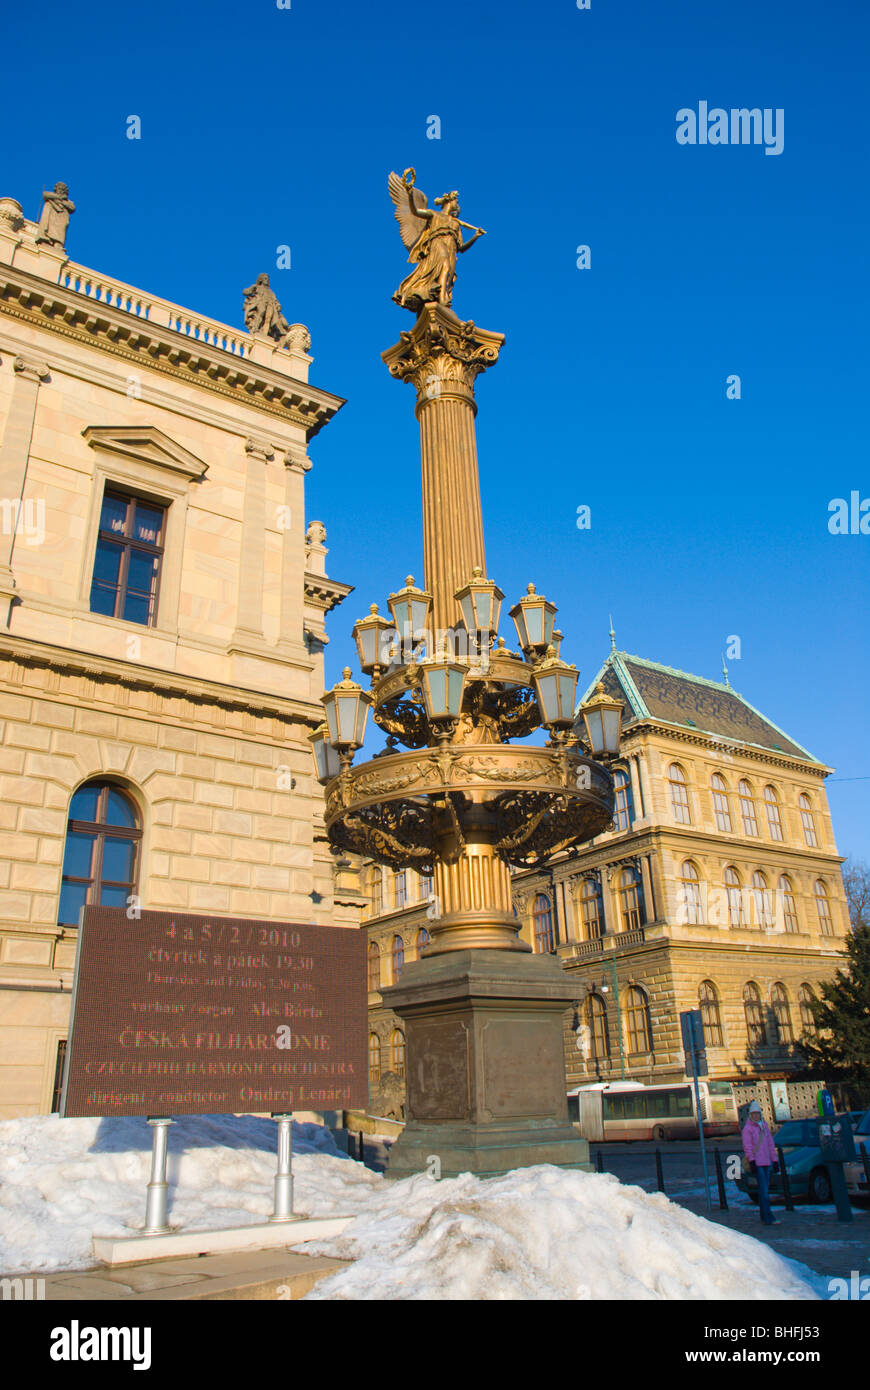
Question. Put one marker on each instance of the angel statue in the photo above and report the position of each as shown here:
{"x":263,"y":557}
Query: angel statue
{"x":433,"y":239}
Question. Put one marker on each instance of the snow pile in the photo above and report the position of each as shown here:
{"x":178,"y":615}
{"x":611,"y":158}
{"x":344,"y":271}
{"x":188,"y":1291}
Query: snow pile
{"x":64,"y":1181}
{"x":546,"y":1233}
{"x":537,"y":1233}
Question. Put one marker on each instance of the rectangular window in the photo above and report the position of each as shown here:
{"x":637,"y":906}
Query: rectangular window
{"x":126,"y":576}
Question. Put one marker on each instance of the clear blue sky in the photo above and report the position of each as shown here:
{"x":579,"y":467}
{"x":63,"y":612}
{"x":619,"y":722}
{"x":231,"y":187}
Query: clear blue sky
{"x":263,"y":127}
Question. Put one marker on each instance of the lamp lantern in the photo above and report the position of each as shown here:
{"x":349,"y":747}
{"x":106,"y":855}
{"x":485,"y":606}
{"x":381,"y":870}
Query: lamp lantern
{"x":443,"y":684}
{"x":555,"y":685}
{"x":347,"y":707}
{"x":533,"y":618}
{"x":410,"y":608}
{"x":326,"y":759}
{"x":369,"y":635}
{"x":603,"y":718}
{"x":480,"y":601}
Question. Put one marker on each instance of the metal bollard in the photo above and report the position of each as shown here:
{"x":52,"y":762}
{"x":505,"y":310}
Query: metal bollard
{"x":362,"y":1148}
{"x":660,"y":1176}
{"x":599,"y":1162}
{"x":720,"y":1181}
{"x":786,"y":1186}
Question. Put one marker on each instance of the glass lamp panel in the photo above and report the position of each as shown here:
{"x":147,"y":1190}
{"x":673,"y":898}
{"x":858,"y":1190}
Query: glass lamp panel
{"x":419,"y":613}
{"x":548,"y":615}
{"x":400,"y":609}
{"x":519,"y":616}
{"x":346,"y":707}
{"x":483,"y":605}
{"x":468,"y":616}
{"x":362,"y":714}
{"x":595,"y":729}
{"x":329,"y":708}
{"x":610,"y":719}
{"x":567,"y":689}
{"x":454,"y":698}
{"x":437,"y":682}
{"x":535,"y":625}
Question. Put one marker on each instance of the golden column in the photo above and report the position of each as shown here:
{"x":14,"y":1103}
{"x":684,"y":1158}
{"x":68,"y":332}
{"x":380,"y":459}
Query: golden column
{"x":442,"y":357}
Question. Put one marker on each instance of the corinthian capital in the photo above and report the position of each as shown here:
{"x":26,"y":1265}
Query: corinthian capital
{"x":442,"y":355}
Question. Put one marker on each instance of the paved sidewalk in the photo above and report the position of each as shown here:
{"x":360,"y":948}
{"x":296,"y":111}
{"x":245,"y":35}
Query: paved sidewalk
{"x":248,"y":1274}
{"x":812,"y":1235}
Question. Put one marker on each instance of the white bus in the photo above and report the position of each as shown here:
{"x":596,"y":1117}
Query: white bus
{"x":625,"y":1110}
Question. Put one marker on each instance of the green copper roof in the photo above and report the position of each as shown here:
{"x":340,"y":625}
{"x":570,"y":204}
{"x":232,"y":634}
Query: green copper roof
{"x":653,"y":691}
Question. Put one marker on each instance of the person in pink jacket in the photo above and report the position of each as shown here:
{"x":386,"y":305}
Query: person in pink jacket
{"x":760,"y":1152}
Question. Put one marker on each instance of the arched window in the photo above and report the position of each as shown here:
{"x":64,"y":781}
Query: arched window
{"x":787,"y":902}
{"x":805,"y":998}
{"x":823,"y":908}
{"x":708,"y":1001}
{"x":591,"y":907}
{"x":423,"y":939}
{"x":599,"y":1035}
{"x":691,"y":891}
{"x":101,"y":857}
{"x":755,"y":1029}
{"x":374,"y":1057}
{"x":764,"y":915}
{"x":734,"y":894}
{"x":679,"y":794}
{"x":630,"y":900}
{"x":398,"y":956}
{"x":721,"y":808}
{"x":542,"y":917}
{"x":747,"y":808}
{"x":807,"y":821}
{"x":781,"y":1014}
{"x":374,"y":966}
{"x":774,"y":821}
{"x":637,"y":1020}
{"x":397,"y":1052}
{"x":623,"y":813}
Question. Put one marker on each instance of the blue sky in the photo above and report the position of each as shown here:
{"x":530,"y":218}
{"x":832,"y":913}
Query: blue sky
{"x":263,"y":127}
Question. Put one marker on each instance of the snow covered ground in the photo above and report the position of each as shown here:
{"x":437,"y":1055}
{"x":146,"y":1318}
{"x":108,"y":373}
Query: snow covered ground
{"x":537,"y":1233}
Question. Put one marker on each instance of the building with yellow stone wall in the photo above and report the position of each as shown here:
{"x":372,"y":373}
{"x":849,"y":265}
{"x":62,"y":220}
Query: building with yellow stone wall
{"x":162,"y":625}
{"x":717,"y":887}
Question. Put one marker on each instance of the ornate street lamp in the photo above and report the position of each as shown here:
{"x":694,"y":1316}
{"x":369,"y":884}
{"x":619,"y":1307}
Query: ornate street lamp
{"x":443,"y":685}
{"x":347,"y":707}
{"x":480,"y":601}
{"x":410,"y":608}
{"x":368,"y":633}
{"x":603,"y":718}
{"x":326,"y":760}
{"x":533,"y":618}
{"x":555,"y":685}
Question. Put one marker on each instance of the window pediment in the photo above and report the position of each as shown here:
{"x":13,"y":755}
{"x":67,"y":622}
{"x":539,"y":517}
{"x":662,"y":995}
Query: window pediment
{"x":146,"y":444}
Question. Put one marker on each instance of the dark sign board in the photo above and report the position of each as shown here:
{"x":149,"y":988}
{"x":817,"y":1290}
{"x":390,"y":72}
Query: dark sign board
{"x":178,"y":1014}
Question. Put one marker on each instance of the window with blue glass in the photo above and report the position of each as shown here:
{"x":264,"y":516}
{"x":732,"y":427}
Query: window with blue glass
{"x":126,"y":578}
{"x":101,"y":858}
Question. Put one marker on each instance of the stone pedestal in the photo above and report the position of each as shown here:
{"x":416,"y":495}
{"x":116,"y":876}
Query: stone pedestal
{"x":486,"y":1089}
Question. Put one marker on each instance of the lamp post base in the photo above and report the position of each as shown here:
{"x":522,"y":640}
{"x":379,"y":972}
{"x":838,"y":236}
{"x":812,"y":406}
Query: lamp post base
{"x":486,"y":1088}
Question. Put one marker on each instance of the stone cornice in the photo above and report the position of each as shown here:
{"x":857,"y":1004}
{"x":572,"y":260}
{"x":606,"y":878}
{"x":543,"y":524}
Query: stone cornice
{"x":325,"y":593}
{"x":32,"y":300}
{"x":167,"y":684}
{"x":715,"y":744}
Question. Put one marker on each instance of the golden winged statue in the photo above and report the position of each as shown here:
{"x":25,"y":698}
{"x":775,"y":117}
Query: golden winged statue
{"x":433,"y":237}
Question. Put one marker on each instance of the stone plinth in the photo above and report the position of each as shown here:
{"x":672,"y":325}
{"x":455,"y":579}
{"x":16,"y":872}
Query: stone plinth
{"x":486,"y":1072}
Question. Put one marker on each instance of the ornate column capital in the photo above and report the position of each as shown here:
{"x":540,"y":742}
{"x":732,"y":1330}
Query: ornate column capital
{"x":30,"y":370}
{"x":443,"y":355}
{"x":297,"y":460}
{"x":258,"y":449}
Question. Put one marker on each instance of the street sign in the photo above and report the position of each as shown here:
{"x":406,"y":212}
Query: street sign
{"x":692,"y":1031}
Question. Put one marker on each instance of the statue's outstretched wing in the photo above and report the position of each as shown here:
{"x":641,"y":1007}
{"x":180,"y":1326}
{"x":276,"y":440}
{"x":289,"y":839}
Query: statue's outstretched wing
{"x":410,"y":226}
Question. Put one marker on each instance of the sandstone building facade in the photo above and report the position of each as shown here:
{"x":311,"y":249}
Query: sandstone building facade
{"x":162,"y":625}
{"x":717,"y":887}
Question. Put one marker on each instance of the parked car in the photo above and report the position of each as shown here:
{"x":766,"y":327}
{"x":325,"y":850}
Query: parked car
{"x":808,"y":1178}
{"x":856,"y":1178}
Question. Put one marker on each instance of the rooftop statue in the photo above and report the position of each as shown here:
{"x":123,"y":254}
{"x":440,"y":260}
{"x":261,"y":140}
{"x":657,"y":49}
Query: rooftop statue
{"x":433,"y":239}
{"x":263,"y":312}
{"x":54,"y":218}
